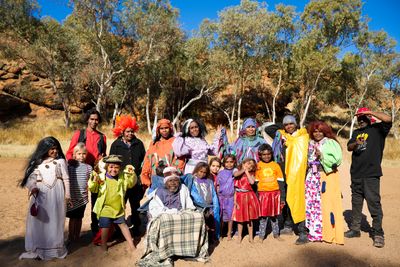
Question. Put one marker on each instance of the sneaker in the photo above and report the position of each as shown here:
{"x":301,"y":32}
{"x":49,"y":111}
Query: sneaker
{"x":303,"y":239}
{"x":379,"y":241}
{"x":286,"y":231}
{"x":352,"y":233}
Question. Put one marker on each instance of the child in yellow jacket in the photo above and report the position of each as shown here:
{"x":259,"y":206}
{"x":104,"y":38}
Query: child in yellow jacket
{"x":111,"y":187}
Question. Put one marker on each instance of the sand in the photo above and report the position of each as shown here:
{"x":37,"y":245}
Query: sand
{"x":355,"y":252}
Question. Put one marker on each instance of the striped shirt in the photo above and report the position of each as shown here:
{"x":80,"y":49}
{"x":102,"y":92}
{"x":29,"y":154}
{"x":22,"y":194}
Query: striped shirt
{"x":78,"y":176}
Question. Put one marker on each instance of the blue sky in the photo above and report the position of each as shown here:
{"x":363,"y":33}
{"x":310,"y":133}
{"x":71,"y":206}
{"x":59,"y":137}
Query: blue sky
{"x":384,"y":14}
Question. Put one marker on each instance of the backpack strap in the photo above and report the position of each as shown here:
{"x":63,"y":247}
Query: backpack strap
{"x":100,"y":145}
{"x":82,"y":136}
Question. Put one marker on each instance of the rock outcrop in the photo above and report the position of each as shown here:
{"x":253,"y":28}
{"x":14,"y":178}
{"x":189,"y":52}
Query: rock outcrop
{"x":20,"y":86}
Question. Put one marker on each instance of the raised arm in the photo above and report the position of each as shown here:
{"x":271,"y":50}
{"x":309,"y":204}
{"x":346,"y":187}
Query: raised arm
{"x":379,"y":115}
{"x":179,"y":146}
{"x":250,"y":177}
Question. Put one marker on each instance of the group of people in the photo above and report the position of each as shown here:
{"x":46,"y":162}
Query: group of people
{"x":278,"y":175}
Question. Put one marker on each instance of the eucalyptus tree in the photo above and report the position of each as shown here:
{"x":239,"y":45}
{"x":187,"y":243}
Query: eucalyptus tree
{"x":392,"y":80}
{"x":239,"y":33}
{"x":327,"y":27}
{"x":153,"y":25}
{"x":96,"y":24}
{"x":363,"y":71}
{"x":283,"y":33}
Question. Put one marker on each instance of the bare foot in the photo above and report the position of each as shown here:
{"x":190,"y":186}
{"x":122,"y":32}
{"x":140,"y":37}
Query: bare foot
{"x":251,"y":240}
{"x":239,"y":240}
{"x":229,"y":238}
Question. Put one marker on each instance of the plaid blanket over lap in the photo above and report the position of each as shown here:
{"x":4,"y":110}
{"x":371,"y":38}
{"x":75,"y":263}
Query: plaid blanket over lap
{"x":168,"y":235}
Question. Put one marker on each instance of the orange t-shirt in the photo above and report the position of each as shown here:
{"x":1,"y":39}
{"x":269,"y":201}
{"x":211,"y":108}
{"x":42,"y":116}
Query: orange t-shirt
{"x":267,"y":175}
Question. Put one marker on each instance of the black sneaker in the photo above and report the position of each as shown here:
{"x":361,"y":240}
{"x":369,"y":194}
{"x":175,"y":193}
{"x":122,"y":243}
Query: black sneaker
{"x":379,"y":241}
{"x":303,"y":239}
{"x":352,"y":233}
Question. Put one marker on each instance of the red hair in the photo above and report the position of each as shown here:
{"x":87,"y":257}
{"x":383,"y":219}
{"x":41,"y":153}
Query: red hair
{"x":322,"y":127}
{"x":122,"y":123}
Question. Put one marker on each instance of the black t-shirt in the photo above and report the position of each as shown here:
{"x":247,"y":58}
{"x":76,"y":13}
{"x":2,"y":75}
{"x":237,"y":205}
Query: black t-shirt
{"x":366,"y":159}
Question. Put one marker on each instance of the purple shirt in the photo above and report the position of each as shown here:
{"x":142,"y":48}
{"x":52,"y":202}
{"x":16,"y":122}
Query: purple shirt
{"x":225,"y":182}
{"x":170,"y":200}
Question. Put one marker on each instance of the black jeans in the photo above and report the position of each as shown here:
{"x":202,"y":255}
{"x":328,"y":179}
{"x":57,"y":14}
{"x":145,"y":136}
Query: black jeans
{"x":94,"y":226}
{"x":134,"y":195}
{"x":368,"y":189}
{"x":287,"y":217}
{"x":288,"y":221}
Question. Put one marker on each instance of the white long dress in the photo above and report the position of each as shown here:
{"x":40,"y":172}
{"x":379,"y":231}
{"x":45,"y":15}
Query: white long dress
{"x":44,"y":237}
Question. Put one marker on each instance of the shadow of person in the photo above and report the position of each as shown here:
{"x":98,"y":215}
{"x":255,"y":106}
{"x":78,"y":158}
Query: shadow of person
{"x":84,"y":241}
{"x":365,"y":226}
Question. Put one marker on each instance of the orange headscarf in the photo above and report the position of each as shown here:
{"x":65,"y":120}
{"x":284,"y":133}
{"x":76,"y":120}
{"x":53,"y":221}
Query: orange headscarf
{"x":163,"y":122}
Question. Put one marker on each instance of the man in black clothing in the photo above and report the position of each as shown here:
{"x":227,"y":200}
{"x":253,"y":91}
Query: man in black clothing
{"x":132,"y":151}
{"x":367,"y":144}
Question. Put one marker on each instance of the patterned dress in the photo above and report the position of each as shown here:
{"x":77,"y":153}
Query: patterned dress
{"x":313,"y":194}
{"x":324,"y":209}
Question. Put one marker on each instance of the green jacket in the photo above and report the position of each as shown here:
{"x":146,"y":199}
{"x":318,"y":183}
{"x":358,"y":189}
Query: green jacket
{"x":126,"y":180}
{"x":331,"y":153}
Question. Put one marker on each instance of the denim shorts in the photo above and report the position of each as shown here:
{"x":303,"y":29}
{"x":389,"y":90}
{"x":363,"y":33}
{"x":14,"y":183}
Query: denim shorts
{"x":105,"y":222}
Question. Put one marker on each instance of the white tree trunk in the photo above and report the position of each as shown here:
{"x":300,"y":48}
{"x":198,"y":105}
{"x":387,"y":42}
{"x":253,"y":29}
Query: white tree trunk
{"x":182,"y":109}
{"x":148,"y":110}
{"x":238,"y":116}
{"x":153,"y":131}
{"x":359,"y":103}
{"x":278,"y":88}
{"x":395,"y":110}
{"x":353,"y":121}
{"x":310,"y":95}
{"x":115,"y":112}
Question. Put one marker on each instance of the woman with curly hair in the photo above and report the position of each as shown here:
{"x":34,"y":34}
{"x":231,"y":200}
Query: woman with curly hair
{"x":324,"y":212}
{"x":132,"y":151}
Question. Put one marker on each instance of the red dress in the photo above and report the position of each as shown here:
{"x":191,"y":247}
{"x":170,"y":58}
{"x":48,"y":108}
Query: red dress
{"x":247,"y":207}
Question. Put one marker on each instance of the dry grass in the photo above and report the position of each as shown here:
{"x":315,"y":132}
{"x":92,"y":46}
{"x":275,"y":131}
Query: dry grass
{"x":19,"y":139}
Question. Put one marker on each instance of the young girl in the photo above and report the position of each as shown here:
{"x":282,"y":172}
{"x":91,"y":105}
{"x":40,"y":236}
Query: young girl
{"x":111,"y":188}
{"x":246,"y":206}
{"x":226,"y":191}
{"x":270,"y":185}
{"x":46,"y":177}
{"x":203,"y":193}
{"x":79,"y":173}
{"x":215,"y":166}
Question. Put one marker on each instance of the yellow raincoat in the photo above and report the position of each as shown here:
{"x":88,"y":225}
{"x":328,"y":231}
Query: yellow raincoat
{"x":295,"y":169}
